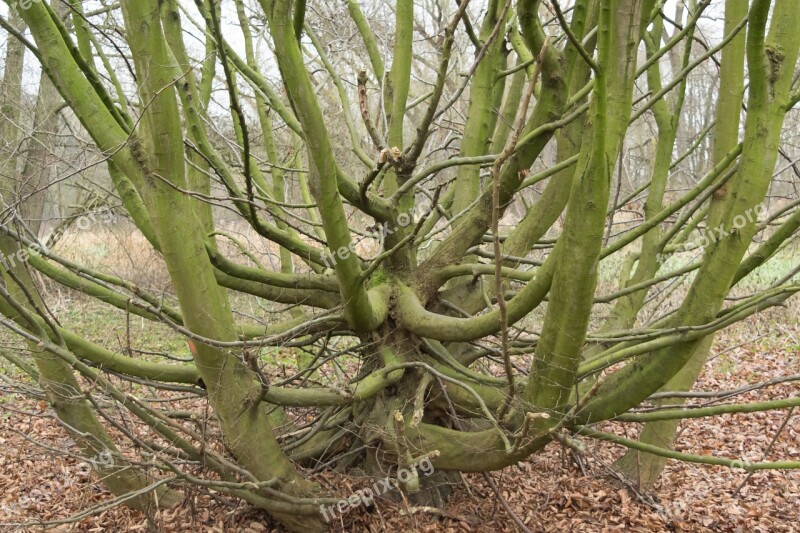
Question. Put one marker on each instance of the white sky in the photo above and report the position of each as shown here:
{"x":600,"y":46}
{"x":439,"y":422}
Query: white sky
{"x":711,"y":29}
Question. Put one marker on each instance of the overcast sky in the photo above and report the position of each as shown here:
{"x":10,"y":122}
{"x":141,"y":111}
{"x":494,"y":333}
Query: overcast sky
{"x":710,"y":28}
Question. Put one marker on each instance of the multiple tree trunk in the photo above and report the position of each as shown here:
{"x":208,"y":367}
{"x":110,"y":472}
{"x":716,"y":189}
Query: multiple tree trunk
{"x":425,"y":310}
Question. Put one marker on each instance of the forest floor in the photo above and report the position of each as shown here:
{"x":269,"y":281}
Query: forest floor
{"x":552,"y":491}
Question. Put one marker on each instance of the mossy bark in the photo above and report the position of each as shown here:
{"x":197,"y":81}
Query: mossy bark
{"x":768,"y":57}
{"x":643,"y":467}
{"x":234,"y":390}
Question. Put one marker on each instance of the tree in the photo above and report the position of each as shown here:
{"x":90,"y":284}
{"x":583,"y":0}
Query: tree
{"x":467,"y":357}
